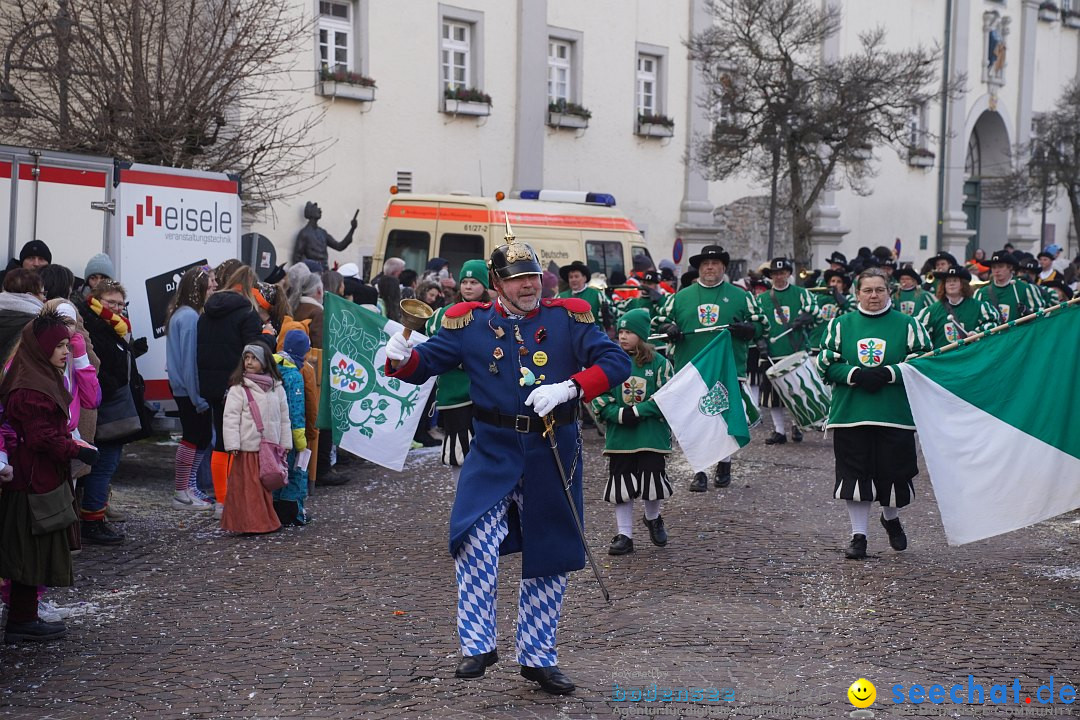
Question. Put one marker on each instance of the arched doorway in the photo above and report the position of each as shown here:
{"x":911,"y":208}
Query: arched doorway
{"x":988,"y":158}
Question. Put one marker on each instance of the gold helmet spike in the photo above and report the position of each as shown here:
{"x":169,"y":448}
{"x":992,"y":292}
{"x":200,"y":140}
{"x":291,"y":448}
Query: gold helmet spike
{"x":509,"y":232}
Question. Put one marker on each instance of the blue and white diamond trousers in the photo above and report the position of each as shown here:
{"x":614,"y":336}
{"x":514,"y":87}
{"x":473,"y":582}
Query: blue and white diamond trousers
{"x":539,"y":599}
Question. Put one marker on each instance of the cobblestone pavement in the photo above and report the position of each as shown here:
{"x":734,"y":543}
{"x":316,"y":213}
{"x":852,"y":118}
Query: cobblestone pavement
{"x":353,"y":616}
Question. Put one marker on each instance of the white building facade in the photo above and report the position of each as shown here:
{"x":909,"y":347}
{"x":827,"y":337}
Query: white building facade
{"x":623,"y":60}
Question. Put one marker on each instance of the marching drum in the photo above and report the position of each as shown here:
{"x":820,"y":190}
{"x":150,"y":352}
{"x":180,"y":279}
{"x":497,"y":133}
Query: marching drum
{"x":798,"y":383}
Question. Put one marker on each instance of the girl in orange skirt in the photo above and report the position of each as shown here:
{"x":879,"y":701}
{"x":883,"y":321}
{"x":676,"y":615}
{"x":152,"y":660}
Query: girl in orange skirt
{"x":249,"y":507}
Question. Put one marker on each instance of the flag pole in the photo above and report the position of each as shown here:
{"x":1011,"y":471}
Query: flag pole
{"x":999,"y":328}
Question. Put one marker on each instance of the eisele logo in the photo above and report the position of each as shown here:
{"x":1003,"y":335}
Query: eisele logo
{"x":186,"y":219}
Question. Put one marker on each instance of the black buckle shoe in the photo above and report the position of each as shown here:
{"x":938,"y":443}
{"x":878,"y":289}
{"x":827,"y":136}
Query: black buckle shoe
{"x":620,"y":545}
{"x":897,"y":536}
{"x":776,"y":439}
{"x":657,"y":532}
{"x":723,"y":474}
{"x":35,"y":631}
{"x":550,"y":679}
{"x":700,"y":482}
{"x":473,"y":666}
{"x":796,"y":434}
{"x":96,"y":532}
{"x":857,"y":549}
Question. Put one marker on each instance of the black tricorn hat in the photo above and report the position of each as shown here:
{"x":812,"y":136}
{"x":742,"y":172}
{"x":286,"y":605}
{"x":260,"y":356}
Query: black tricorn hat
{"x":1029,"y":263}
{"x":830,"y":274}
{"x":780,"y":263}
{"x":946,"y":256}
{"x":955,"y":271}
{"x":1003,"y":256}
{"x":838,"y":258}
{"x":276,"y":275}
{"x":565,"y":270}
{"x":651,"y":276}
{"x":909,"y":271}
{"x":711,"y":252}
{"x":514,"y":259}
{"x":1058,"y":283}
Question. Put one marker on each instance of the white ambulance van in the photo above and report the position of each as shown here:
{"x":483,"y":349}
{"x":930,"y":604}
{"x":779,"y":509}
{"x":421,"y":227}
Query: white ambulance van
{"x":562,"y":226}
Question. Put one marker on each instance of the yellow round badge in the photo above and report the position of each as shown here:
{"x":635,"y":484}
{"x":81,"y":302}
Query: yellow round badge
{"x":862,"y":693}
{"x":539,"y":358}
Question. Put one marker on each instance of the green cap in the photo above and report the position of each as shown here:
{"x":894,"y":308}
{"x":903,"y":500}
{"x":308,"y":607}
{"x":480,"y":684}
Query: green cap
{"x":637,"y":321}
{"x":477,"y":270}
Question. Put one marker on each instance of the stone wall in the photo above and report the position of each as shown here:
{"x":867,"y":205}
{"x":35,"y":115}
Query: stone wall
{"x":744,"y":231}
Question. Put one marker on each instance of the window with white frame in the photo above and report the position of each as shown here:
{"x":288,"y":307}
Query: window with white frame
{"x":560,"y":71}
{"x":336,"y":35}
{"x":916,"y":126}
{"x":648,"y":68}
{"x":456,"y":54}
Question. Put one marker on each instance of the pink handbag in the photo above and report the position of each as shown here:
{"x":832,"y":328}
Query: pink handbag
{"x":273,"y":468}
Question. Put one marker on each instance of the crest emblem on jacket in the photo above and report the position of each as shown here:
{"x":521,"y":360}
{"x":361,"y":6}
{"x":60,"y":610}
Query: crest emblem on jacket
{"x":633,"y":390}
{"x":907,"y":307}
{"x":782,"y":313}
{"x":708,"y":313}
{"x":871,"y":351}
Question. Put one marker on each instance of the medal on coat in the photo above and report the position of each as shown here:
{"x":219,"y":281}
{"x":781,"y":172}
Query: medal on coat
{"x":497,"y":353}
{"x":517,"y":334}
{"x":499,"y":332}
{"x":539,"y":358}
{"x":523,"y":351}
{"x":493,"y":368}
{"x":527,"y":378}
{"x":541,"y":335}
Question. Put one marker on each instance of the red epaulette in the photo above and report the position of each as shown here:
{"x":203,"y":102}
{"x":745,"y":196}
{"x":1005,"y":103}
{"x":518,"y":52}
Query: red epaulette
{"x":459,"y":314}
{"x":579,"y":309}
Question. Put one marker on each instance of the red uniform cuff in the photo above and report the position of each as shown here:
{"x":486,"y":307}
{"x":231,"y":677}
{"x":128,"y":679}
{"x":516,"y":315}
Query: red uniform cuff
{"x":592,"y":381}
{"x":405,"y":369}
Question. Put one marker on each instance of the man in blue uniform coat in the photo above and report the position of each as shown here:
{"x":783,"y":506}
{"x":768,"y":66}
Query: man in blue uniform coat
{"x":525,"y":358}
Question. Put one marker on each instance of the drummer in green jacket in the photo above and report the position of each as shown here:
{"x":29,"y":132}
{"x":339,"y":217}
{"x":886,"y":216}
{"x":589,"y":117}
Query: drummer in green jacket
{"x":792,"y":315}
{"x":908,"y":297}
{"x":638,"y":438}
{"x":831,"y":303}
{"x":452,"y":391}
{"x":956,"y":314}
{"x":576,"y":275}
{"x":873,"y":431}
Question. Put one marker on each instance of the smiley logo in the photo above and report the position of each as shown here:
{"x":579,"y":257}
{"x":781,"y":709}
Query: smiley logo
{"x":862,"y":693}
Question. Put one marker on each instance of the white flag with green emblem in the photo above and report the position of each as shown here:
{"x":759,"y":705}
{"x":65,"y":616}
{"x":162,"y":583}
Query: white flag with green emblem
{"x":703,"y":404}
{"x":371,"y":415}
{"x":999,"y":425}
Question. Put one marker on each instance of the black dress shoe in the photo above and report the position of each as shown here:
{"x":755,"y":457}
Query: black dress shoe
{"x":426,"y":439}
{"x":551,"y":679}
{"x":96,"y":532}
{"x":473,"y":666}
{"x":776,"y":439}
{"x":857,"y":549}
{"x":723,"y":475}
{"x":34,"y":631}
{"x":331,"y":477}
{"x":700,"y":482}
{"x":657,"y":531}
{"x":897,"y":537}
{"x":796,"y":435}
{"x":620,"y":545}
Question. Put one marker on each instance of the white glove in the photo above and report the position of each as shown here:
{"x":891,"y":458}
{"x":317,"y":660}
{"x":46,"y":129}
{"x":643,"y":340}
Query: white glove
{"x":303,"y":458}
{"x":399,"y":348}
{"x":546,"y":398}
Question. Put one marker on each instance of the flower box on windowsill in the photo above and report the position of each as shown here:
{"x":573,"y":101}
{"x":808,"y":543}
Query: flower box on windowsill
{"x":1049,"y":12}
{"x":863,"y":153}
{"x":648,"y":129}
{"x":465,"y":107}
{"x":1071,"y":18}
{"x":567,"y":120}
{"x":333,"y":88}
{"x":920,"y":158}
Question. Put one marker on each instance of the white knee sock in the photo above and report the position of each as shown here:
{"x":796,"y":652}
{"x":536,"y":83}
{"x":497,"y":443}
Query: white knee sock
{"x":859,"y":512}
{"x":652,"y":509}
{"x":755,"y":394}
{"x":778,"y":421}
{"x":890,"y":513}
{"x":624,"y":518}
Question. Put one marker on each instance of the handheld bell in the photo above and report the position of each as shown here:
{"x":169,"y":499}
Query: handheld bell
{"x":414,"y":315}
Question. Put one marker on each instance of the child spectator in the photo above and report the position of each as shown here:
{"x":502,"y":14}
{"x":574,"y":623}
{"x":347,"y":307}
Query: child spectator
{"x":249,"y":507}
{"x":289,"y":500}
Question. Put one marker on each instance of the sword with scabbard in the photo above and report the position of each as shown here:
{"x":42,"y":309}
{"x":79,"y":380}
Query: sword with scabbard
{"x":549,"y":433}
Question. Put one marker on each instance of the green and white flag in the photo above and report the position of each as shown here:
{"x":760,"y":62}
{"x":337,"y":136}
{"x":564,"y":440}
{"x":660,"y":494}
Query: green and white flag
{"x":371,"y":415}
{"x":704,"y":405}
{"x":999,"y":426}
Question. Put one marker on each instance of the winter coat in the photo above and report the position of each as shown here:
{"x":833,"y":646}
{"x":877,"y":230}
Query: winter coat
{"x":180,"y":356}
{"x":227,"y":324}
{"x":238,"y":429}
{"x":16,"y":309}
{"x":43,"y":447}
{"x":294,"y":393}
{"x":310,"y":308}
{"x":117,"y":368}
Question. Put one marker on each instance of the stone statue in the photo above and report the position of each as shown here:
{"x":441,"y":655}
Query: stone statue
{"x":312,"y":240}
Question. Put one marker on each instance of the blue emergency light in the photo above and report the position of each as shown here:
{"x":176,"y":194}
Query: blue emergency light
{"x":577,"y":196}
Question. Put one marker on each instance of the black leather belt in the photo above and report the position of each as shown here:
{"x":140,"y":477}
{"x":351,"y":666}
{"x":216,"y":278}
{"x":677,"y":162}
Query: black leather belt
{"x":563,"y":415}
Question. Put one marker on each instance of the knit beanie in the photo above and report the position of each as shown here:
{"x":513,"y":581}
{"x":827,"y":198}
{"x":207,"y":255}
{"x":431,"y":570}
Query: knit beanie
{"x":100,"y":264}
{"x":35,"y":248}
{"x":637,"y":321}
{"x":296,"y":346}
{"x":477,"y":270}
{"x":258,"y":350}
